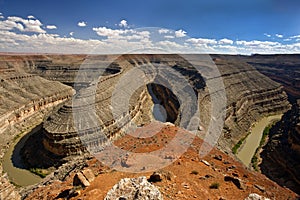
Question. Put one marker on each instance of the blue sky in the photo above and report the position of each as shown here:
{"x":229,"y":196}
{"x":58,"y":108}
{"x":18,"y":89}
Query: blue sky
{"x":214,"y":26}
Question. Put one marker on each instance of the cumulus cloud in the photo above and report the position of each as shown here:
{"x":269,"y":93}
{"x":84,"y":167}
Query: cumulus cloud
{"x":225,"y":41}
{"x":1,"y":16}
{"x":14,"y":37}
{"x":82,"y":24}
{"x":163,"y":31}
{"x":24,"y":25}
{"x":180,"y":33}
{"x":202,"y":41}
{"x":30,"y":17}
{"x":127,"y":34}
{"x":51,"y":27}
{"x":169,"y":36}
{"x":279,"y":35}
{"x":257,"y":43}
{"x":266,"y":34}
{"x":123,"y":23}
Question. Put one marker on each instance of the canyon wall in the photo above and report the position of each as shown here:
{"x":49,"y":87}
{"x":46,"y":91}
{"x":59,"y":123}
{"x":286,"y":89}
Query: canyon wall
{"x":25,"y":100}
{"x":250,"y":96}
{"x":281,"y":155}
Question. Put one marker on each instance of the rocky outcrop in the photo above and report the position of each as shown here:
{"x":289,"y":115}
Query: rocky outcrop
{"x":281,"y":155}
{"x":134,"y":188}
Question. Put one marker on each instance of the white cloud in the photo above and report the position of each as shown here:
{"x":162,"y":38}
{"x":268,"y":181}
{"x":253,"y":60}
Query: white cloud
{"x":31,"y":17}
{"x":279,"y":35}
{"x":123,"y":23}
{"x":1,"y":16}
{"x":295,"y":36}
{"x":225,"y":41}
{"x":24,"y":25}
{"x":202,"y":41}
{"x":82,"y":24}
{"x":257,"y":43}
{"x":163,"y":31}
{"x":51,"y":27}
{"x":266,"y":34}
{"x":180,"y":33}
{"x":14,"y":38}
{"x":169,"y":36}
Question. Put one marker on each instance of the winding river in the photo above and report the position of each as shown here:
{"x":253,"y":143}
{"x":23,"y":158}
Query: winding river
{"x":12,"y":163}
{"x":251,"y":143}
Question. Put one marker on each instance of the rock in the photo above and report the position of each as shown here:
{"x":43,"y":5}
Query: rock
{"x":236,"y":181}
{"x":256,"y":197}
{"x":134,"y":188}
{"x":205,"y":162}
{"x":88,"y":174}
{"x":155,"y":177}
{"x":80,"y":180}
{"x":261,"y":188}
{"x":218,"y":157}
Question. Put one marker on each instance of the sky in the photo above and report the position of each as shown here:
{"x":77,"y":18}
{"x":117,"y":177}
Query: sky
{"x":177,"y":26}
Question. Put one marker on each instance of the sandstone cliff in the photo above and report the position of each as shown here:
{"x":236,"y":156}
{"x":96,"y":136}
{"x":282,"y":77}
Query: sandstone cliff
{"x":250,"y":96}
{"x":281,"y":155}
{"x":25,"y":100}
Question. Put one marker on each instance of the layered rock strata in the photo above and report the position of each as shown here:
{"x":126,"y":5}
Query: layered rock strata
{"x":250,"y":96}
{"x":281,"y":155}
{"x":25,"y":100}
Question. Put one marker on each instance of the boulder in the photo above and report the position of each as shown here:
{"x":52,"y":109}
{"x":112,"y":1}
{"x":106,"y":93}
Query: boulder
{"x":80,"y":180}
{"x":88,"y":174}
{"x":134,"y":188}
{"x":236,"y":181}
{"x":256,"y":197}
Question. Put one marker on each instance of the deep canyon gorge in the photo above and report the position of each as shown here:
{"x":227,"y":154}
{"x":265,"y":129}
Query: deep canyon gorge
{"x":38,"y":90}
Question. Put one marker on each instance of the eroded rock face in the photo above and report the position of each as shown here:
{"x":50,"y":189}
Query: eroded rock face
{"x":25,"y":100}
{"x":281,"y":155}
{"x":250,"y":96}
{"x":134,"y":188}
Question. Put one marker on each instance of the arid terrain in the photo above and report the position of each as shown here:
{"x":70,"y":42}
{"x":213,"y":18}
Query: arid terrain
{"x":38,"y":90}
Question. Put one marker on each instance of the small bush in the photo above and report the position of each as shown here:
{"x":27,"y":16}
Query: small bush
{"x":195,"y":172}
{"x":214,"y":186}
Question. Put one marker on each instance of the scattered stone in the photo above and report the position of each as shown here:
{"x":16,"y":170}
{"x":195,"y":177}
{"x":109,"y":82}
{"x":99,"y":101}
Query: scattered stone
{"x":256,"y":197}
{"x":261,"y":188}
{"x":134,"y":188}
{"x":80,"y":180}
{"x":236,"y":181}
{"x":218,"y":157}
{"x":235,"y":174}
{"x":88,"y":174}
{"x":155,"y":177}
{"x":205,"y":162}
{"x":226,"y":162}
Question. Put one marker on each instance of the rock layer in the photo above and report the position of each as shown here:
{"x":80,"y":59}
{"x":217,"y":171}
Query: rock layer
{"x":281,"y":155}
{"x":250,"y":96}
{"x":25,"y":99}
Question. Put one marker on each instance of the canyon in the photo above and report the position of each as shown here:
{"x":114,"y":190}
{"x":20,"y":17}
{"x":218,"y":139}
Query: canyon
{"x":39,"y":88}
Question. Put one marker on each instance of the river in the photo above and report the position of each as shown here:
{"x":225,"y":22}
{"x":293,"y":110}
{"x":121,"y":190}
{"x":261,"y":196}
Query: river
{"x":249,"y":146}
{"x":12,"y":163}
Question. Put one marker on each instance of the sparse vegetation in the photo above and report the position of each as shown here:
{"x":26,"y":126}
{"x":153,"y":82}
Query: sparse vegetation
{"x":238,"y":145}
{"x":255,"y":158}
{"x":40,"y":172}
{"x":214,"y":186}
{"x":195,"y":172}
